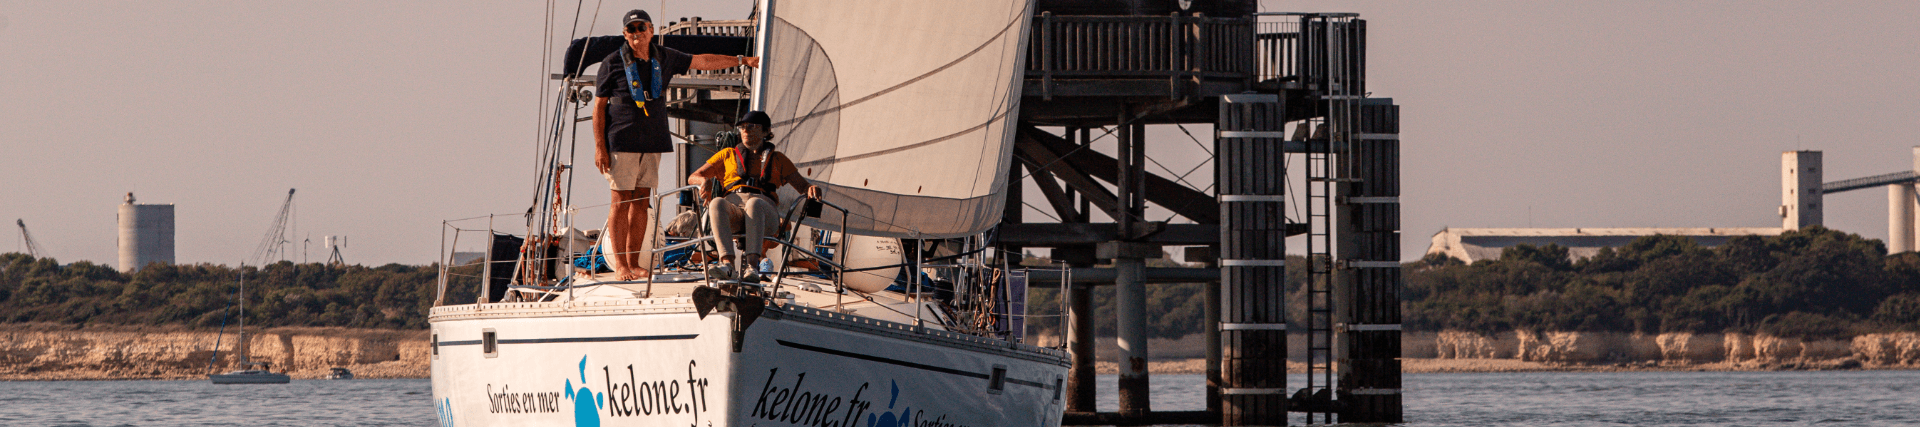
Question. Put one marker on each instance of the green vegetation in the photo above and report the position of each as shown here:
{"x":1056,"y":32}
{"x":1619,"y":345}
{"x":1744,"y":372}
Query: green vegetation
{"x":282,"y":294}
{"x":1175,"y":310}
{"x":1808,"y":283}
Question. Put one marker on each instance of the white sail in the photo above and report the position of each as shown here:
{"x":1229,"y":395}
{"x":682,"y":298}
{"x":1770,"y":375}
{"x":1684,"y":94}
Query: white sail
{"x":903,"y":113}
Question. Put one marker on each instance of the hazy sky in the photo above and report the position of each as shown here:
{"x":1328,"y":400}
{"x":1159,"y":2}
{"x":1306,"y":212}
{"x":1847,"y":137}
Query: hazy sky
{"x":392,"y":116}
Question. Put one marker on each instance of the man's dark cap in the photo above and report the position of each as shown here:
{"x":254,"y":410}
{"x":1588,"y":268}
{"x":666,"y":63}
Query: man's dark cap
{"x":636,"y":15}
{"x":755,"y":117}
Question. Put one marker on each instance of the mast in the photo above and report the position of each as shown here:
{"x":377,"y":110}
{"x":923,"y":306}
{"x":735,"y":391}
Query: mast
{"x":761,"y":43}
{"x":243,"y":317}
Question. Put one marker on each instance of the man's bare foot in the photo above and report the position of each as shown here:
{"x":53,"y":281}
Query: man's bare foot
{"x":630,"y":275}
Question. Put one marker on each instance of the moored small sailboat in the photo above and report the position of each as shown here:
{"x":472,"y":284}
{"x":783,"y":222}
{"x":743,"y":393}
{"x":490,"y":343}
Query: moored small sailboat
{"x":251,"y":372}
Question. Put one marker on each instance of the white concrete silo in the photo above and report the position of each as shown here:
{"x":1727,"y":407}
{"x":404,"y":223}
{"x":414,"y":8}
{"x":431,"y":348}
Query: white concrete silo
{"x":145,"y":235}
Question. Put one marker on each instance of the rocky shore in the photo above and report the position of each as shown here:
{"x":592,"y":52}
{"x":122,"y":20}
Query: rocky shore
{"x":1523,"y":351}
{"x":69,"y":352}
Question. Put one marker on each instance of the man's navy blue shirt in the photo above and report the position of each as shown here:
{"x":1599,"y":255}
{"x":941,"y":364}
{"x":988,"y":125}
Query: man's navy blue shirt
{"x":629,"y":130}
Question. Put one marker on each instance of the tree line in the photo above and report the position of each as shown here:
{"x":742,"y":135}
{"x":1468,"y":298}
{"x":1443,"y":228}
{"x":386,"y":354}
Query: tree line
{"x":205,"y":295}
{"x":1814,"y":283}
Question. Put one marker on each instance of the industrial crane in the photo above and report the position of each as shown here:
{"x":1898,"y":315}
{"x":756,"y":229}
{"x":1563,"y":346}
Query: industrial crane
{"x":273,"y":246}
{"x":33,"y":249}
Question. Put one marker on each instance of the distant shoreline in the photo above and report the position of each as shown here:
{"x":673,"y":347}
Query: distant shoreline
{"x":1472,"y":366}
{"x":1176,"y":367}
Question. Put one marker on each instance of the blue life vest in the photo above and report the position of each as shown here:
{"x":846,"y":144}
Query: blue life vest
{"x":642,"y":94}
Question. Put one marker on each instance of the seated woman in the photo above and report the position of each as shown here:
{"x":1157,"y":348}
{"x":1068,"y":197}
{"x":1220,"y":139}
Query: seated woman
{"x":750,"y":176}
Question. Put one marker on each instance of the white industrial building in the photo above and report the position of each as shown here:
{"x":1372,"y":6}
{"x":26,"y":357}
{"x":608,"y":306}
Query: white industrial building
{"x":145,"y":235}
{"x":1476,"y":244}
{"x":1801,"y":194}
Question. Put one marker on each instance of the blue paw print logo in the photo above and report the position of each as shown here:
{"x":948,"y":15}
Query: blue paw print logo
{"x":586,"y":403}
{"x":889,"y":419}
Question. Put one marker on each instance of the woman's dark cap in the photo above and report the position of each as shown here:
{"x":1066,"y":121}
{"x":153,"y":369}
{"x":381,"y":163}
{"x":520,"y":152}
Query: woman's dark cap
{"x":755,"y":117}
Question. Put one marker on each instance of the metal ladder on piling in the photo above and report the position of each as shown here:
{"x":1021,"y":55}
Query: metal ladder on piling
{"x":1326,"y":174}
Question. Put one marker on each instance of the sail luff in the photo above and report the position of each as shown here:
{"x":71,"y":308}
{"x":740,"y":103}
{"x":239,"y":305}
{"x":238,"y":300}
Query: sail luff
{"x":904,"y":115}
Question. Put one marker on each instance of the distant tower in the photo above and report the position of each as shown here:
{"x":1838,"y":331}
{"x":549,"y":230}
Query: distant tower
{"x":1799,"y":189}
{"x":334,"y":243}
{"x":146,"y":235}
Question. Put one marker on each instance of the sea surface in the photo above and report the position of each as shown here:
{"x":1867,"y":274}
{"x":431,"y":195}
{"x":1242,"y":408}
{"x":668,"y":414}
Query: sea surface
{"x":1839,"y":398}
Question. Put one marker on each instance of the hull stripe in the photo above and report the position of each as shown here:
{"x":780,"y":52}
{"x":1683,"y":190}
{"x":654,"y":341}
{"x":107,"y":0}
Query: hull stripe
{"x":873,"y":358}
{"x":577,"y":339}
{"x":869,"y":357}
{"x":600,"y":339}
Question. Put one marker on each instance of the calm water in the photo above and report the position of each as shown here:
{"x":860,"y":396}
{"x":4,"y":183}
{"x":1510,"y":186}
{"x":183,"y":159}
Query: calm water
{"x":1523,"y":399}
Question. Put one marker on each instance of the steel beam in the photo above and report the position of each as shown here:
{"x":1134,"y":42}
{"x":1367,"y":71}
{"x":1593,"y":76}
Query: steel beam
{"x":1058,"y":235}
{"x":1901,"y":177}
{"x":1062,"y":204}
{"x":1040,"y":278}
{"x":1031,"y":151}
{"x":1186,"y":202}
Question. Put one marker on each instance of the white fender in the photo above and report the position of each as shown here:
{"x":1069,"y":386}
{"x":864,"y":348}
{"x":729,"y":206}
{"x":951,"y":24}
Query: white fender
{"x":865,"y":251}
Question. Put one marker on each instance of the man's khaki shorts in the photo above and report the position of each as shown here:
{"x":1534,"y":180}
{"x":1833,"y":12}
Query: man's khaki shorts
{"x":634,"y":170}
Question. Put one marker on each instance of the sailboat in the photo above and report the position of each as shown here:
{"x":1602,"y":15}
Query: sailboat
{"x":902,"y":111}
{"x":250,"y":372}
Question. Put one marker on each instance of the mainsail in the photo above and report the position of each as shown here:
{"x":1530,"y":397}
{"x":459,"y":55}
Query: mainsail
{"x":903,"y":112}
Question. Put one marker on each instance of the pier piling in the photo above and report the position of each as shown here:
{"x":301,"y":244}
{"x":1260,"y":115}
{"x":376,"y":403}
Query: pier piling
{"x":1080,"y":378}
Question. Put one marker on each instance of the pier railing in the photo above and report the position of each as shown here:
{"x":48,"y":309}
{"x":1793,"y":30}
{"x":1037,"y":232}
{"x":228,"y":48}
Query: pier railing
{"x":1312,"y":50}
{"x":1139,"y":46}
{"x":1295,"y":51}
{"x":731,"y":28}
{"x":1279,"y":50}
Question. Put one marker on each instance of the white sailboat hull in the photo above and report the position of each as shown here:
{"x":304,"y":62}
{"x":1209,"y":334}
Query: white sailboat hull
{"x":654,"y":362}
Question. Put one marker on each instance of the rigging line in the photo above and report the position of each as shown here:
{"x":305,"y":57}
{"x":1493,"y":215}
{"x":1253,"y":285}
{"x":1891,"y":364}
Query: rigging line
{"x":546,"y":55}
{"x":1041,"y":211}
{"x":1184,"y":206}
{"x":575,"y":34}
{"x":573,"y":30}
{"x":989,"y":42}
{"x":1196,"y":140}
{"x":1089,"y":144}
{"x":548,"y":156}
{"x":1286,"y":183}
{"x":1195,"y":169}
{"x":573,"y":148}
{"x":1182,"y":178}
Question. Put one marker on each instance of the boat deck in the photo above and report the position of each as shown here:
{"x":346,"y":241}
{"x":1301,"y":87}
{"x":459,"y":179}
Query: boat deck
{"x":674,"y":291}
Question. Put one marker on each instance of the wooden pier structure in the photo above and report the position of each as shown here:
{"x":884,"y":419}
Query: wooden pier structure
{"x":1287,"y":97}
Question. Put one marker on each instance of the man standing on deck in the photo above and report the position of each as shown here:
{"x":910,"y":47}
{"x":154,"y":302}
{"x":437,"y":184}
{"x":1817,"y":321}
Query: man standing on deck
{"x":630,"y":131}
